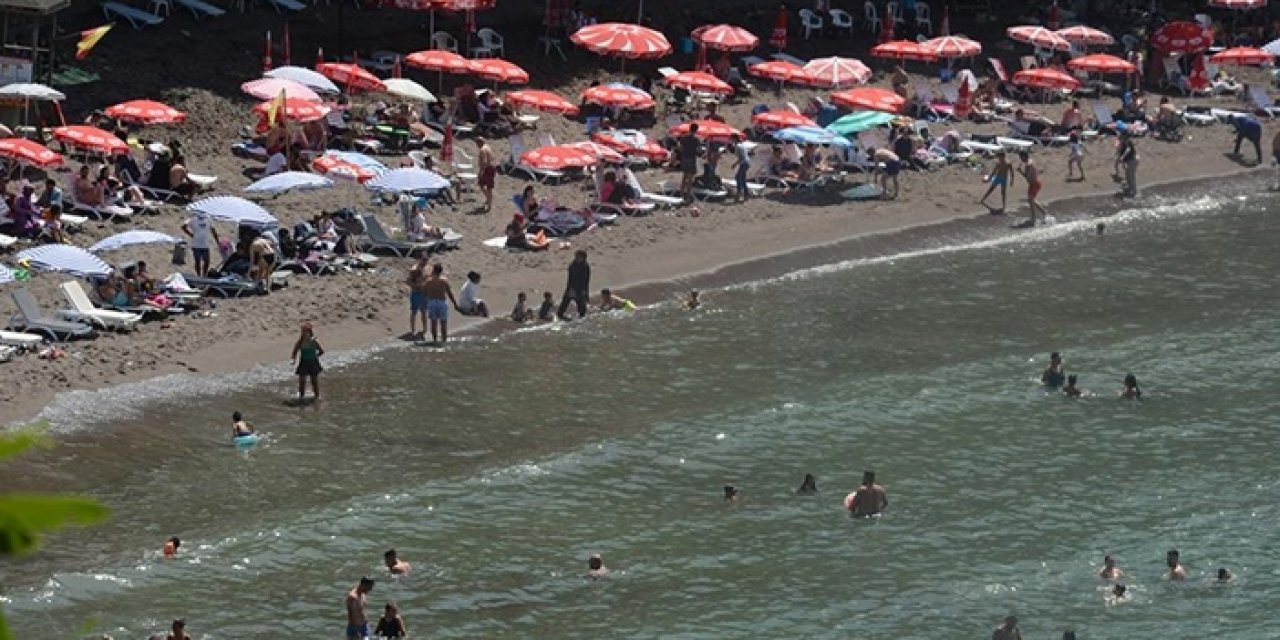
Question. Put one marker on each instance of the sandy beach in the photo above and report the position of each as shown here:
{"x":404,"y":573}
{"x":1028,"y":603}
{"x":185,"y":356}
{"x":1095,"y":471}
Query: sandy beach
{"x":355,"y":309}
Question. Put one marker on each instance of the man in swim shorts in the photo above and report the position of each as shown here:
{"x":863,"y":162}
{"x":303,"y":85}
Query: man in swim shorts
{"x":870,"y":498}
{"x":1109,"y":569}
{"x":1053,"y":376}
{"x":239,"y":426}
{"x":1001,"y":176}
{"x":488,"y":171}
{"x":357,"y":621}
{"x":417,"y":296}
{"x":178,"y":631}
{"x":1177,"y":573}
{"x":439,"y":298}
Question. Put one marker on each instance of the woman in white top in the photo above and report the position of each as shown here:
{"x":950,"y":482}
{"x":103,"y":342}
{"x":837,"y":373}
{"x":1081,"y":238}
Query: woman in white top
{"x":469,"y":302}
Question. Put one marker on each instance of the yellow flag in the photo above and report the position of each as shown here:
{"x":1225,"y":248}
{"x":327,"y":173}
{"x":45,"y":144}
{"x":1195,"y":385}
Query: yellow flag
{"x":89,"y":38}
{"x":276,"y":110}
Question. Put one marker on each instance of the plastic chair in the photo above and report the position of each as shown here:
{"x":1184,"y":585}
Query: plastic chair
{"x":923,"y":20}
{"x":443,"y":41}
{"x":811,"y":22}
{"x":490,"y":43}
{"x":871,"y":17}
{"x":158,"y":5}
{"x":842,"y":21}
{"x":895,"y":10}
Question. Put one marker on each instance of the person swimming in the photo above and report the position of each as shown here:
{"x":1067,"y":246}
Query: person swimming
{"x":595,"y":567}
{"x":731,"y":493}
{"x":394,"y":564}
{"x":1224,"y":576}
{"x":1131,"y":390}
{"x":869,"y":499}
{"x":1177,"y":573}
{"x":809,"y":486}
{"x":1109,"y":569}
{"x":692,"y":302}
{"x":240,"y":427}
{"x":171,"y":547}
{"x":1053,"y":376}
{"x":1119,"y":593}
{"x":1071,"y":390}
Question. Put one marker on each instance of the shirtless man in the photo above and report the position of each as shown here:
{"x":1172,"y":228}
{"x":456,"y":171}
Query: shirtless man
{"x":1109,"y":569}
{"x":488,"y":171}
{"x":1177,"y":573}
{"x":417,"y":296}
{"x":178,"y":631}
{"x":1001,"y":176}
{"x":439,"y":298}
{"x":1007,"y":631}
{"x":240,"y":426}
{"x":357,"y":621}
{"x":870,"y":498}
{"x":596,"y":569}
{"x":395,"y":565}
{"x":1031,"y":174}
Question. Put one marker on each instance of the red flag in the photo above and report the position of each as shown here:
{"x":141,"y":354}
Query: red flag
{"x":471,"y":21}
{"x":779,"y":36}
{"x":1054,"y":20}
{"x":266,"y":55}
{"x":395,"y":68}
{"x":319,"y":55}
{"x":1199,"y":79}
{"x":946,"y":20}
{"x":886,"y":28}
{"x":446,"y":147}
{"x":286,"y":55}
{"x":701,"y":63}
{"x":963,"y":100}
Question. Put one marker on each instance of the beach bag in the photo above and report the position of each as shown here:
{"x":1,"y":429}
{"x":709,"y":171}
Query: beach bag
{"x":179,"y":257}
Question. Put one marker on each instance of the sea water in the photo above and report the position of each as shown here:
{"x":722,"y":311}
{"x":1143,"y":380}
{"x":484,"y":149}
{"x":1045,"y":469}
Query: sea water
{"x":498,"y":466}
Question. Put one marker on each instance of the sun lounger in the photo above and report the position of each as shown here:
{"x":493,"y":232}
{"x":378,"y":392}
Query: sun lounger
{"x":701,"y":194}
{"x":1259,"y":99}
{"x":32,"y":320}
{"x":20,"y":339}
{"x":378,"y":239}
{"x":111,"y":212}
{"x":1014,"y":144}
{"x":226,"y":286}
{"x":136,"y":17}
{"x":7,"y":241}
{"x":661,"y":200}
{"x":200,"y":9}
{"x":82,"y":310}
{"x":518,"y":149}
{"x":637,"y":209}
{"x":984,"y":148}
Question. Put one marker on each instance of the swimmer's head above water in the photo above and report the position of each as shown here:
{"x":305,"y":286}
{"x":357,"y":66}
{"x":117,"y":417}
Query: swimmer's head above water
{"x":868,"y":477}
{"x":731,"y":493}
{"x":366,"y":585}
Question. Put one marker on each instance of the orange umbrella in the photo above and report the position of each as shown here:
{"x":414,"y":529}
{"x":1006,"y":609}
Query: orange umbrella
{"x":295,"y":109}
{"x":145,"y":112}
{"x":699,"y":81}
{"x":870,"y":98}
{"x":952,"y":47}
{"x":27,"y":152}
{"x":781,"y":120}
{"x":781,"y":71}
{"x":1182,"y":37}
{"x":602,"y":152}
{"x":726,"y":37}
{"x":542,"y":101}
{"x":707,"y":130}
{"x":91,"y":139}
{"x":437,"y":60}
{"x":622,"y":40}
{"x":1242,"y":55}
{"x":352,"y":76}
{"x":327,"y":164}
{"x":1045,"y":79}
{"x":558,"y":157}
{"x":618,"y":96}
{"x":1038,"y":37}
{"x":902,"y":50}
{"x":631,"y":144}
{"x":837,"y":72}
{"x":1101,"y":63}
{"x":497,"y":70}
{"x":1081,"y":34}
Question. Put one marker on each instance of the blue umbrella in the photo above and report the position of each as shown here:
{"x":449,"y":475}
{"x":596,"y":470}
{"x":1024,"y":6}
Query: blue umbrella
{"x":130,"y":238}
{"x":812,"y":135}
{"x":408,"y":180}
{"x":289,"y":181}
{"x":65,"y":258}
{"x":234,"y":209}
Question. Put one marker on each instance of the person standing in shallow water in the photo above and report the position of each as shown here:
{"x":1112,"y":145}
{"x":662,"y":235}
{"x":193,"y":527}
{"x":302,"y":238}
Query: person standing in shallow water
{"x":1177,"y":572}
{"x":1109,"y":569}
{"x":578,"y":287}
{"x":809,"y":486}
{"x":357,"y":621}
{"x":307,"y":352}
{"x":869,"y":499}
{"x":1007,"y":631}
{"x":1053,"y":376}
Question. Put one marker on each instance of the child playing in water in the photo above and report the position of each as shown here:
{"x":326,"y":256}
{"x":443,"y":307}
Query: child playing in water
{"x":692,"y":302}
{"x":547,"y":312}
{"x":521,"y":312}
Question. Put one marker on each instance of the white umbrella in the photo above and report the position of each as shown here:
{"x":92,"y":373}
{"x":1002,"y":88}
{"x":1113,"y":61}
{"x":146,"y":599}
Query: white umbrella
{"x":271,"y":88}
{"x":31,"y":91}
{"x":131,"y":238}
{"x":65,"y":258}
{"x":304,"y":76}
{"x":234,"y":209}
{"x":289,"y":181}
{"x":408,"y":180}
{"x":408,"y":89}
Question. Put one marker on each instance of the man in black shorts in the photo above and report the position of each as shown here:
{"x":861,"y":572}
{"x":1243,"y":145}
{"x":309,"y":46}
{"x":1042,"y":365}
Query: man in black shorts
{"x":687,"y":151}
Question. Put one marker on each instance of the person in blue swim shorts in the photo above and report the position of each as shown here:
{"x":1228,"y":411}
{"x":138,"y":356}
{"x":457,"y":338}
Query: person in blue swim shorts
{"x":439,"y":299}
{"x":357,"y":621}
{"x":417,"y":297}
{"x":1001,"y":176}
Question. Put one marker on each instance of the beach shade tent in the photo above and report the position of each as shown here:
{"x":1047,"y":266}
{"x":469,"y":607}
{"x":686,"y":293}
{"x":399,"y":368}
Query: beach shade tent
{"x":408,"y":89}
{"x":145,"y":112}
{"x":289,"y":181}
{"x":622,"y":40}
{"x":952,"y":47}
{"x":408,"y":180}
{"x":725,"y":37}
{"x":836,"y":72}
{"x":1040,"y":37}
{"x":812,"y":135}
{"x":858,"y":121}
{"x":350,"y":76}
{"x":870,"y":99}
{"x":295,"y":109}
{"x":271,"y":88}
{"x":1045,"y":79}
{"x":29,"y":152}
{"x":903,"y":50}
{"x":349,"y":165}
{"x":632,"y":143}
{"x":617,"y":95}
{"x":31,"y":91}
{"x":64,"y":258}
{"x":136,"y":237}
{"x":91,"y":139}
{"x":1243,"y":56}
{"x":497,"y":70}
{"x":308,"y":78}
{"x":698,"y":81}
{"x":1101,"y":63}
{"x":707,"y":130}
{"x":1182,"y":37}
{"x":770,"y":120}
{"x":1086,"y":36}
{"x":545,"y":101}
{"x":235,"y":209}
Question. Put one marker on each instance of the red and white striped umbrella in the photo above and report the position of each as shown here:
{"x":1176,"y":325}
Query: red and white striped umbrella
{"x":558,"y":157}
{"x":542,"y":101}
{"x":870,"y":98}
{"x":902,"y":50}
{"x":780,"y":70}
{"x":437,"y":60}
{"x":837,"y":72}
{"x":145,"y":112}
{"x":1081,"y":34}
{"x":1102,"y":63}
{"x":632,"y":144}
{"x":770,"y":120}
{"x":270,"y":88}
{"x":1039,"y":37}
{"x":600,"y":151}
{"x":622,"y":40}
{"x":1182,"y":37}
{"x":707,"y":130}
{"x":726,"y":37}
{"x":1243,"y":55}
{"x":1237,"y":4}
{"x":294,"y":109}
{"x":91,"y":139}
{"x":950,"y":47}
{"x":350,"y":76}
{"x":27,"y":152}
{"x":1045,"y":79}
{"x":332,"y":165}
{"x":699,"y":81}
{"x":497,"y":70}
{"x":613,"y":96}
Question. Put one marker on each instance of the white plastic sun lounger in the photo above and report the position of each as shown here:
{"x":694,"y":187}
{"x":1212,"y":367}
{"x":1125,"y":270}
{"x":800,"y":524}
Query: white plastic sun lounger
{"x":20,"y":340}
{"x":664,"y":201}
{"x":1014,"y":144}
{"x":7,"y":241}
{"x":201,"y":9}
{"x":378,"y":239}
{"x":291,"y":5}
{"x":136,"y":17}
{"x":32,"y":320}
{"x":984,"y":148}
{"x":82,"y":310}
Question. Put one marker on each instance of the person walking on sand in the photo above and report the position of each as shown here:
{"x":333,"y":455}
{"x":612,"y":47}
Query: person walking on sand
{"x":1031,"y":174}
{"x":417,"y":297}
{"x":439,"y":299}
{"x":578,"y":287}
{"x":869,"y":499}
{"x":1001,"y":176}
{"x":1127,"y":156}
{"x":488,"y":171}
{"x":1076,"y":161}
{"x":357,"y":620}
{"x":307,"y":352}
{"x":687,"y":148}
{"x":742,"y":166}
{"x":203,"y":237}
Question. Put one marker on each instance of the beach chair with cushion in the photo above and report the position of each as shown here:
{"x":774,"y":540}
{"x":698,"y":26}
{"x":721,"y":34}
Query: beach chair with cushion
{"x":31,"y":319}
{"x":226,"y":286}
{"x":112,"y":212}
{"x":7,"y":241}
{"x":700,"y":193}
{"x":379,"y":240}
{"x":82,"y":310}
{"x":664,"y":201}
{"x":810,"y":22}
{"x":201,"y":9}
{"x":136,"y":17}
{"x":518,"y":148}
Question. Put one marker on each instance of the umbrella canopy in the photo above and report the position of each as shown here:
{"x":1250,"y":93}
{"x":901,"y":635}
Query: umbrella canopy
{"x":1237,"y":4}
{"x":949,"y":47}
{"x":542,"y":101}
{"x":625,"y":96}
{"x":91,"y":139}
{"x":707,"y":130}
{"x":1045,"y":79}
{"x":145,"y":112}
{"x":769,"y":120}
{"x":308,"y":78}
{"x":66,"y":259}
{"x":1039,"y":37}
{"x":631,"y":143}
{"x":780,"y":70}
{"x":699,"y":81}
{"x":902,"y":50}
{"x":408,"y":180}
{"x":1182,"y":37}
{"x":558,"y":157}
{"x":295,"y":109}
{"x":351,"y":76}
{"x":726,"y":37}
{"x":859,"y":121}
{"x":1243,"y":55}
{"x":270,"y":88}
{"x":812,"y":135}
{"x":437,"y":60}
{"x":869,"y":98}
{"x":408,"y":89}
{"x":31,"y":91}
{"x":497,"y":70}
{"x":234,"y":209}
{"x":132,"y":238}
{"x":622,"y":40}
{"x":603,"y":153}
{"x":289,"y":181}
{"x":349,"y":164}
{"x":1102,"y":63}
{"x":28,"y":152}
{"x":837,"y":72}
{"x":1081,"y":34}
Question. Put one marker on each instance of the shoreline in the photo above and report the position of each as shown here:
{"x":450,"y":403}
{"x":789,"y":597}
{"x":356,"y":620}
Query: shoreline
{"x":367,"y":334}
